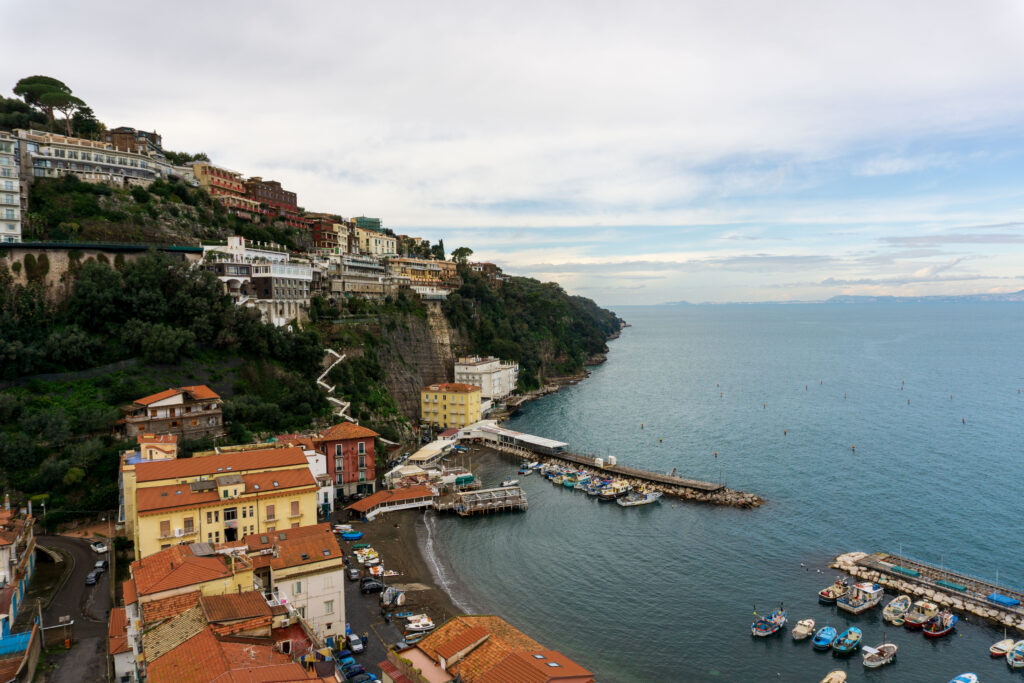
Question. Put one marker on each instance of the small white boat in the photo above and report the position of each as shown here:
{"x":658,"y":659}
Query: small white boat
{"x":875,"y":657}
{"x":965,"y":678}
{"x":803,"y":629}
{"x":896,"y":610}
{"x":837,"y":676}
{"x":1015,"y":657}
{"x":419,"y":622}
{"x":1001,"y":648}
{"x":509,"y":482}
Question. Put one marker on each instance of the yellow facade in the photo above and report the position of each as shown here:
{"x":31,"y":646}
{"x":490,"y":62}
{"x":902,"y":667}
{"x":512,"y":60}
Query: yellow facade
{"x":375,"y":243}
{"x":450,"y":405}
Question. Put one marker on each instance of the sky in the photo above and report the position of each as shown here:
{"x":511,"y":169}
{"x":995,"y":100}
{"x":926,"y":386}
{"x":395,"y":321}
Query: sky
{"x":635,"y":152}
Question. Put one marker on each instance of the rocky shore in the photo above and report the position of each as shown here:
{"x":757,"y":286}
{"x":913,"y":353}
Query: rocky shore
{"x":961,"y":604}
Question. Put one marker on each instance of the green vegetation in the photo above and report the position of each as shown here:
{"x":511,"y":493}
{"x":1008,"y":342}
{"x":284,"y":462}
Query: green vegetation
{"x":15,"y":113}
{"x":182,"y":158}
{"x":461,"y":255}
{"x":537,"y":324}
{"x":46,"y":94}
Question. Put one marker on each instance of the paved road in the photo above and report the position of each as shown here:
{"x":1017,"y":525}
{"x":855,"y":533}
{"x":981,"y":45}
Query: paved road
{"x":362,"y":612}
{"x":88,"y":606}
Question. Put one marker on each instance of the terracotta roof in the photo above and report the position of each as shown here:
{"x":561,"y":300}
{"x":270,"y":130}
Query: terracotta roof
{"x":166,"y":637}
{"x":176,"y":567}
{"x":452,"y":431}
{"x":157,"y":438}
{"x":279,"y":479}
{"x":155,"y":611}
{"x":452,"y":647}
{"x":300,"y":551}
{"x":172,"y":496}
{"x":346,"y":430}
{"x":219,"y":464}
{"x":205,"y":659}
{"x":296,"y":440}
{"x":393,"y":673}
{"x":117,"y":631}
{"x":200,"y":392}
{"x":129,"y":591}
{"x":256,"y":542}
{"x":452,"y":388}
{"x":390,"y":496}
{"x":234,"y":606}
{"x":505,"y":639}
{"x":536,"y":667}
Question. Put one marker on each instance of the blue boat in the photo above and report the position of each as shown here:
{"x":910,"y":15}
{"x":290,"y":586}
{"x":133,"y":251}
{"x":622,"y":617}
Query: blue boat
{"x":352,"y":535}
{"x":965,"y":678}
{"x":824,"y":637}
{"x":769,"y":625}
{"x":848,"y":642}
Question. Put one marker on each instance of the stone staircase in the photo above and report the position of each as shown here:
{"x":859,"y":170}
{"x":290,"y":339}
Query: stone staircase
{"x":340,"y":407}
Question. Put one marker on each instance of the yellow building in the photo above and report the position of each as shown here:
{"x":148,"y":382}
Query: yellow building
{"x":375,"y":243}
{"x":450,"y":404}
{"x":218,"y":498}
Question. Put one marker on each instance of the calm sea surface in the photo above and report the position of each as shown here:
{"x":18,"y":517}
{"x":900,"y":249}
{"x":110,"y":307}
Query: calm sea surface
{"x":928,"y":393}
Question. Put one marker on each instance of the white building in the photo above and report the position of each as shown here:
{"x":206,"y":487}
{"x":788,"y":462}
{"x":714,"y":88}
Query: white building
{"x":308,"y":573}
{"x":10,"y":189}
{"x":48,"y":155}
{"x":496,"y":378}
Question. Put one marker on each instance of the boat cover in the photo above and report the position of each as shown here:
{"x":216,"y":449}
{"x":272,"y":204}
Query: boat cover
{"x":1004,"y":600}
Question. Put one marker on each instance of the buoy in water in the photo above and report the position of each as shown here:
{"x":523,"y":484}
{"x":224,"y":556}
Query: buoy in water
{"x":783,"y":432}
{"x":659,"y":440}
{"x":853,"y":448}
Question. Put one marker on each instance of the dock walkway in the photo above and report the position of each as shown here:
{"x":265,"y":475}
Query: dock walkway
{"x":468,"y":503}
{"x":634,"y":473}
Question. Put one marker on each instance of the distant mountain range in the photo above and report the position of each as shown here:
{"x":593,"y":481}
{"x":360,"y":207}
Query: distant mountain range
{"x":854,"y":299}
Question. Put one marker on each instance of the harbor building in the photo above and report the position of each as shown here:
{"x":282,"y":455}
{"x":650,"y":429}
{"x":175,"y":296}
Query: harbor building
{"x":49,"y":155}
{"x":496,"y":378}
{"x":188,"y":412}
{"x":351,"y":457}
{"x":450,"y":404}
{"x":10,"y":189}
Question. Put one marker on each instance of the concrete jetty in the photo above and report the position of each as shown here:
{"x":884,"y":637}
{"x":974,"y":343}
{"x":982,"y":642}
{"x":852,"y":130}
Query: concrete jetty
{"x":961,"y":593}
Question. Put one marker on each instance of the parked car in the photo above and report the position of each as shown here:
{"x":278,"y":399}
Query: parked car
{"x":352,"y":670}
{"x":364,"y":677}
{"x":347,"y":661}
{"x":368,"y":584}
{"x":98,"y":547}
{"x":100,"y":567}
{"x":355,"y":643}
{"x":90,"y":578}
{"x":353,"y":573}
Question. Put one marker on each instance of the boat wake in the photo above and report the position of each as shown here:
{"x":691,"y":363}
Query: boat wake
{"x":442,"y":575}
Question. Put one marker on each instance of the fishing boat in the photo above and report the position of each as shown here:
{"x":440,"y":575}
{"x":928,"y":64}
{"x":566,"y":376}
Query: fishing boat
{"x":352,"y":535}
{"x":1015,"y":657}
{"x":419,"y":622}
{"x":1001,"y":648}
{"x":509,"y":482}
{"x":896,"y":610}
{"x":557,"y":480}
{"x":922,"y":611}
{"x":414,"y":637}
{"x":965,"y":678}
{"x":616,"y":489}
{"x":569,"y":481}
{"x":641,"y":497}
{"x":875,"y":657}
{"x":848,"y":642}
{"x":829,"y":594}
{"x":803,"y":629}
{"x":524,"y":471}
{"x":769,"y":625}
{"x":862,"y":597}
{"x":535,"y":465}
{"x":582,"y":481}
{"x":939,"y":625}
{"x":837,"y":676}
{"x":824,"y":638}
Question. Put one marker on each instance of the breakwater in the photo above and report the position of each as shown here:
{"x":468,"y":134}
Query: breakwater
{"x":958,"y":592}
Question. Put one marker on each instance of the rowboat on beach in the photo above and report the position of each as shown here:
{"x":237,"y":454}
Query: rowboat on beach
{"x":419,"y":622}
{"x":352,"y":535}
{"x":803,"y":629}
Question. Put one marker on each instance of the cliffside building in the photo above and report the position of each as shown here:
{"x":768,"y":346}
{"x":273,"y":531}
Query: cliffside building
{"x":450,"y":404}
{"x":496,"y":378}
{"x":10,"y":189}
{"x":188,"y":412}
{"x":48,"y":155}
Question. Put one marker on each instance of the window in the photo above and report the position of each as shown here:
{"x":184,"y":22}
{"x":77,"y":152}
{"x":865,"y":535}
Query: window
{"x":295,"y":508}
{"x":302,"y":612}
{"x":298,"y":588}
{"x":165,"y":528}
{"x":361,"y":448}
{"x":270,"y":513}
{"x":165,"y":546}
{"x":230,"y":514}
{"x":251,"y":512}
{"x":209,"y":517}
{"x":337,"y":450}
{"x":189,"y":525}
{"x":329,"y":607}
{"x":243,"y":512}
{"x":216,"y":537}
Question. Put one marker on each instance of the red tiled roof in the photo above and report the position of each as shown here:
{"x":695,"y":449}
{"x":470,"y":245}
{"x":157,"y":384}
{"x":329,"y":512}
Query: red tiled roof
{"x":129,"y":591}
{"x":157,"y":610}
{"x":176,"y":567}
{"x":505,"y":639}
{"x":172,"y":496}
{"x":280,"y":479}
{"x":300,"y":551}
{"x":390,"y":496}
{"x":452,"y":387}
{"x":393,"y":673}
{"x":200,"y":392}
{"x":117,"y":631}
{"x":448,"y":432}
{"x":205,"y":659}
{"x":346,"y":430}
{"x":220,"y":463}
{"x":255,"y":541}
{"x":452,"y":647}
{"x":296,"y":440}
{"x":234,"y":606}
{"x":535,"y":667}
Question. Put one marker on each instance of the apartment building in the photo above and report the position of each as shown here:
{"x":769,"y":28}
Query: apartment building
{"x":132,"y":140}
{"x":275,"y":200}
{"x":351,"y":457}
{"x":218,"y":497}
{"x":10,"y":189}
{"x":188,"y":412}
{"x":227,"y":187}
{"x":450,"y":404}
{"x":17,"y":558}
{"x":374,"y":243}
{"x":362,"y":276}
{"x":496,"y":378}
{"x":430,"y":279}
{"x":48,"y":155}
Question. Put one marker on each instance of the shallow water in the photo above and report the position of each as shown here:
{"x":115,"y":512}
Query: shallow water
{"x":928,"y":394}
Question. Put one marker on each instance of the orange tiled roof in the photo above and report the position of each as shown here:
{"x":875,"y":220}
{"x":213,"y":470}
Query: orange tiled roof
{"x":536,"y":667}
{"x":117,"y":631}
{"x":234,"y":606}
{"x":346,"y":430}
{"x":176,"y":567}
{"x":155,"y":498}
{"x":300,"y":551}
{"x":390,"y":496}
{"x":156,"y":611}
{"x":505,"y":639}
{"x":221,"y":463}
{"x":129,"y":591}
{"x":452,"y":647}
{"x":200,"y":392}
{"x":281,"y":479}
{"x":205,"y":659}
{"x":296,"y":440}
{"x":452,"y":387}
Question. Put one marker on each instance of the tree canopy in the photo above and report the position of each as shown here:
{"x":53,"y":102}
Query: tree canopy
{"x":35,"y":90}
{"x":462,"y":254}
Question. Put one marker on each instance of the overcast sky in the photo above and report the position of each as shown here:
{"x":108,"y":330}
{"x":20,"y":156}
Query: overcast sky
{"x":634,"y":152}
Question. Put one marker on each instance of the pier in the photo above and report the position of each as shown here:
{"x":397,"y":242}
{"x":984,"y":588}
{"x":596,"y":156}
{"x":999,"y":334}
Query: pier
{"x":486,"y":501}
{"x":957,"y":591}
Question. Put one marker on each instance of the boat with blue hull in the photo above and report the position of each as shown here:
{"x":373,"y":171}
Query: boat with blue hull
{"x":941,"y":624}
{"x":824,"y":638}
{"x":848,"y":642}
{"x":769,"y":625}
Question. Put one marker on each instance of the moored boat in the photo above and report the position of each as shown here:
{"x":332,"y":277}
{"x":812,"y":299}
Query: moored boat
{"x":569,"y":481}
{"x":824,"y":638}
{"x":803,"y":629}
{"x":557,"y":479}
{"x":352,"y":535}
{"x":614,"y":490}
{"x":1001,"y":648}
{"x":848,"y":642}
{"x":896,"y":610}
{"x":509,"y":482}
{"x":965,"y":678}
{"x":640,"y":497}
{"x":862,"y":597}
{"x":837,"y":676}
{"x":769,"y":625}
{"x":829,"y":594}
{"x":922,"y":611}
{"x":875,"y":657}
{"x":941,"y":624}
{"x":1015,"y":657}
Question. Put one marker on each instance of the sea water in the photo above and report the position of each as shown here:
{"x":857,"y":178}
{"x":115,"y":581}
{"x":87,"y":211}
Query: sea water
{"x":770,"y":399}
